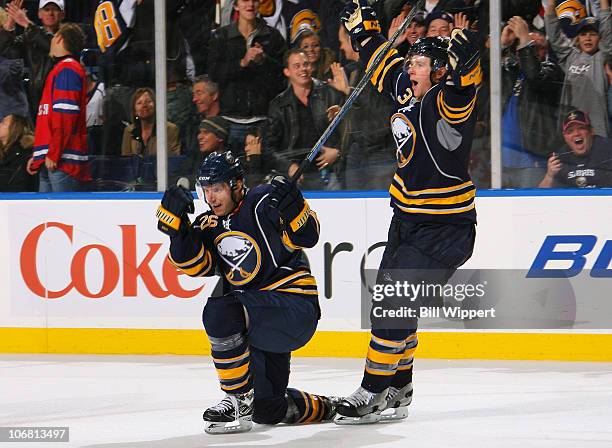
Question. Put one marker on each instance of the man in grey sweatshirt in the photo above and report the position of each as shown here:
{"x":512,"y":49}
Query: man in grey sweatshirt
{"x":586,"y":83}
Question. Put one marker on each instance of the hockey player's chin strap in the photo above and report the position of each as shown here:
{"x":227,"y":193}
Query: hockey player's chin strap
{"x":234,"y":190}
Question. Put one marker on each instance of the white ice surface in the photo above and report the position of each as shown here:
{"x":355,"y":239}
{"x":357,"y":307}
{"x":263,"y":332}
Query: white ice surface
{"x":157,"y":402}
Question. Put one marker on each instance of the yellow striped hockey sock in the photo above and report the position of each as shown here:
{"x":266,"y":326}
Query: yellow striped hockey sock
{"x":382,"y":360}
{"x":403,"y":374}
{"x":306,"y":408}
{"x":231,"y":357}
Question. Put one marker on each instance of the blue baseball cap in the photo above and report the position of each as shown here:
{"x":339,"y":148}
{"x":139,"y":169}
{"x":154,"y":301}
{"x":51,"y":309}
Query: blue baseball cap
{"x":588,"y":23}
{"x":438,"y":14}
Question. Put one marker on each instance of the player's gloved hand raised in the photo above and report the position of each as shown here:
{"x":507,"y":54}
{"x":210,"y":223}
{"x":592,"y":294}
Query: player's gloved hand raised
{"x":464,"y":58}
{"x":360,"y":22}
{"x":172,"y":213}
{"x":178,"y":200}
{"x":286,"y":197}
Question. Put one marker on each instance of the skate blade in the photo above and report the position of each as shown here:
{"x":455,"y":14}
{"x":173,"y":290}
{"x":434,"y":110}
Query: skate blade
{"x":363,"y":420}
{"x":394,"y":414}
{"x":235,"y":427}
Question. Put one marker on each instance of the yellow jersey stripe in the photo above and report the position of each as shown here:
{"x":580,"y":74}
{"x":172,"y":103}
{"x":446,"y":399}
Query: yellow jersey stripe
{"x":455,"y":118}
{"x":308,"y":292}
{"x":432,"y":200}
{"x":187,"y":263}
{"x":282,"y":281}
{"x":433,"y":211}
{"x":399,"y":180}
{"x":378,"y":50}
{"x":454,"y":113}
{"x":448,"y":115}
{"x":287,"y":242}
{"x":201,"y":268}
{"x":381,"y":66}
{"x":381,"y":81}
{"x":455,"y":109}
{"x":447,"y":106}
{"x":307,"y":281}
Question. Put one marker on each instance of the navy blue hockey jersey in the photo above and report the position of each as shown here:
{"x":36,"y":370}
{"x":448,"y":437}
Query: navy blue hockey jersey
{"x":433,"y":138}
{"x":251,"y":247}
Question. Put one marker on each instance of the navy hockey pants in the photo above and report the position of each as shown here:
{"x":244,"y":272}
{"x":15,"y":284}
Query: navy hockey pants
{"x":430,"y":252}
{"x":258,"y":355}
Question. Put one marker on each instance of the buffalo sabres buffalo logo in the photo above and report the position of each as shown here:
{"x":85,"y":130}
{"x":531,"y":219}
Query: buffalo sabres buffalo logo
{"x":405,"y":138}
{"x":572,"y":10}
{"x":305,"y":19}
{"x":571,"y":117}
{"x":241,"y":256}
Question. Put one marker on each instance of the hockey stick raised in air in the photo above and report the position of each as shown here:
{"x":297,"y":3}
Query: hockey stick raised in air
{"x":420,"y":5}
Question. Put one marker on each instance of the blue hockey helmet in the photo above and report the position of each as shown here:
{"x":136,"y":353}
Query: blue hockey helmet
{"x":435,"y":48}
{"x":219,"y":167}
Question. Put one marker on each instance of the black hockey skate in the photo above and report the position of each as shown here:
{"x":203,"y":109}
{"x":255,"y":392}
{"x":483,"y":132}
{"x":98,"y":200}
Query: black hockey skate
{"x":361,"y":407}
{"x":232,"y":415}
{"x":331,"y":404}
{"x":397,"y":403}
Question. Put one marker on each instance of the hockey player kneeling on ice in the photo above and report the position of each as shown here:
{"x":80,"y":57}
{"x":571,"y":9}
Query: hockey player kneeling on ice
{"x":432,"y":231}
{"x":254,"y":238}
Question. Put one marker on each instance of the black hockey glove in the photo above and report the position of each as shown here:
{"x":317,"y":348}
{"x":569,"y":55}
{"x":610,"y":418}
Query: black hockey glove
{"x":464,"y":58}
{"x":287,"y":198}
{"x":172,"y":213}
{"x":360,"y":22}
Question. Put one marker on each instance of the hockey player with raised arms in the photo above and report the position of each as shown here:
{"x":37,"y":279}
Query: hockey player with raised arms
{"x":432,"y":231}
{"x":254,"y":239}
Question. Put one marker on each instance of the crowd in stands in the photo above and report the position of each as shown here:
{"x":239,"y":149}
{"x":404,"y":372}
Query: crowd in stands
{"x":266,"y":81}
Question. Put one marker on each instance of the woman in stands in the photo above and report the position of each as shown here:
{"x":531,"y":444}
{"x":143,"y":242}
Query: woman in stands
{"x":320,"y":58}
{"x":140,"y":137}
{"x":16,"y":142}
